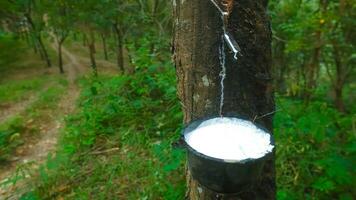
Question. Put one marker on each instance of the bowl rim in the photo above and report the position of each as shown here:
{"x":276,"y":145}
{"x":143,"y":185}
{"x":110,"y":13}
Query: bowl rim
{"x":195,"y":123}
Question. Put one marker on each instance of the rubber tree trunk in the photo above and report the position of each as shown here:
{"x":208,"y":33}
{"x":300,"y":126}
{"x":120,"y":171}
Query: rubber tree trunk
{"x":119,"y":48}
{"x":248,"y":83}
{"x":339,"y":102}
{"x":60,"y":57}
{"x":91,"y":47}
{"x":280,"y":67}
{"x":311,"y":72}
{"x":44,"y":50}
{"x":103,"y":39}
{"x":38,"y":38}
{"x":340,"y":79}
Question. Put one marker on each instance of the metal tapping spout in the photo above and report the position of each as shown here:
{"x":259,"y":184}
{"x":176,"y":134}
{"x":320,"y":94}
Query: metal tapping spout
{"x":234,"y":47}
{"x":225,"y":9}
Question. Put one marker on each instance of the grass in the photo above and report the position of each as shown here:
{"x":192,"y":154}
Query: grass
{"x":14,"y":91}
{"x":24,"y":125}
{"x":26,"y":65}
{"x":316,"y":151}
{"x":143,"y":166}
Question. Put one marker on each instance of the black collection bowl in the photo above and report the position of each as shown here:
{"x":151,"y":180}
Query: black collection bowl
{"x":219,"y":175}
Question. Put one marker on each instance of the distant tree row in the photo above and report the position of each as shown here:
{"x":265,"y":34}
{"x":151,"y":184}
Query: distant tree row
{"x":120,"y":25}
{"x":313,"y":41}
{"x":314,"y":44}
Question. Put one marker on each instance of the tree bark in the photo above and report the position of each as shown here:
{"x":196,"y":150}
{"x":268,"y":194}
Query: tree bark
{"x":120,"y":46}
{"x":38,"y":37}
{"x":60,"y":58}
{"x":248,"y":83}
{"x":103,"y":39}
{"x":45,"y":53}
{"x":44,"y":50}
{"x":38,"y":47}
{"x":311,"y":70}
{"x":91,"y":46}
{"x":340,"y":79}
{"x":280,"y":66}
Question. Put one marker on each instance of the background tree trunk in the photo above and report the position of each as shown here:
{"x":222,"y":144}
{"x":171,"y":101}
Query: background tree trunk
{"x":91,"y":46}
{"x":44,"y":50}
{"x":280,"y":67}
{"x":38,"y":38}
{"x":340,"y":79}
{"x":103,"y":39}
{"x":248,"y":84}
{"x":311,"y":71}
{"x":119,"y":48}
{"x":60,"y":57}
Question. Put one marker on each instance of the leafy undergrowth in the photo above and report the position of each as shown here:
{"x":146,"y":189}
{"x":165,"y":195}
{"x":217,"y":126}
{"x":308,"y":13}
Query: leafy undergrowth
{"x":18,"y":90}
{"x":316,"y":152}
{"x":11,"y":48}
{"x":27,"y":124}
{"x":119,"y":144}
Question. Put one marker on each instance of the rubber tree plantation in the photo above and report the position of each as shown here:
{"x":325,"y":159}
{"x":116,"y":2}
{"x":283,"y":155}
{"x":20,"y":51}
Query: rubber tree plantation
{"x":181,"y":99}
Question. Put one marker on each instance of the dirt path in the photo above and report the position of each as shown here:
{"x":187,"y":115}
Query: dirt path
{"x":10,"y":111}
{"x":103,"y":65}
{"x":37,"y":153}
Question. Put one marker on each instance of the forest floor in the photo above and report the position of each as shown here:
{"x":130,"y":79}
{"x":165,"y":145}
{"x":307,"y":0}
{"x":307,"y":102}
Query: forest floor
{"x":34,"y":151}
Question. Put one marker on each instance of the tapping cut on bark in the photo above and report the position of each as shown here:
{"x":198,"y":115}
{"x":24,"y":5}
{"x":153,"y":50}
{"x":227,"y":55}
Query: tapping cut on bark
{"x":228,"y":5}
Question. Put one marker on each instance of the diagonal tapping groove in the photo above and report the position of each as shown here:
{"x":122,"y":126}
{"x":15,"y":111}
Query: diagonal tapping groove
{"x":228,"y":4}
{"x":222,"y":11}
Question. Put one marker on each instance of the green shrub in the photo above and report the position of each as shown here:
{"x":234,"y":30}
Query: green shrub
{"x":315,"y":151}
{"x":10,"y":137}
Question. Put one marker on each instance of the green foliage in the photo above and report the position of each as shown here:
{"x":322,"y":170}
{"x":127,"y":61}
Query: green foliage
{"x":17,"y":90}
{"x":10,"y":48}
{"x":315,"y":151}
{"x":313,"y":47}
{"x":10,"y":137}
